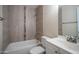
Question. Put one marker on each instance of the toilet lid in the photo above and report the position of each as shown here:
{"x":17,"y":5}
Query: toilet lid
{"x":37,"y":50}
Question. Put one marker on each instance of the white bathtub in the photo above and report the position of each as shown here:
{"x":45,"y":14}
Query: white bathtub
{"x":22,"y":47}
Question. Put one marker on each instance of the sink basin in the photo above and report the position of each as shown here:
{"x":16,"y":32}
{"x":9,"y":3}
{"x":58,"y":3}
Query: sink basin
{"x":62,"y":43}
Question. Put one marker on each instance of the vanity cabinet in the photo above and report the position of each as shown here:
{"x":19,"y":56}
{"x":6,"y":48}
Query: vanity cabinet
{"x":53,"y":49}
{"x":62,"y":51}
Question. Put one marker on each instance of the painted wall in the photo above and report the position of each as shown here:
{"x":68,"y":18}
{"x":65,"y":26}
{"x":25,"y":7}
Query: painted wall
{"x":60,"y":20}
{"x":50,"y":20}
{"x":1,"y":10}
{"x":30,"y":22}
{"x":39,"y":22}
{"x":69,"y":22}
{"x":4,"y":13}
{"x":1,"y":30}
{"x":1,"y":36}
{"x":6,"y":40}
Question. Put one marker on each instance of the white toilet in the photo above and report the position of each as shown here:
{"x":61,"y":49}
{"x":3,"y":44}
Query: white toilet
{"x":37,"y":50}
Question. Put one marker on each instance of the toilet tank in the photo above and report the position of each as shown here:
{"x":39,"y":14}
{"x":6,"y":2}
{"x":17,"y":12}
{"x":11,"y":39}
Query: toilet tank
{"x":43,"y":41}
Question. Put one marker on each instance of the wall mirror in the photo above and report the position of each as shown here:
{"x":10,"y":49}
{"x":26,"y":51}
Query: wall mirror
{"x":70,"y":20}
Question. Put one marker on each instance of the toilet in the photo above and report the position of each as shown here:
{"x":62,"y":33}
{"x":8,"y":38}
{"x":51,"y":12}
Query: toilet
{"x":37,"y":50}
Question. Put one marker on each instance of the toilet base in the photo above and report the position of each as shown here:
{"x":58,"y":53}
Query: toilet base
{"x":37,"y":50}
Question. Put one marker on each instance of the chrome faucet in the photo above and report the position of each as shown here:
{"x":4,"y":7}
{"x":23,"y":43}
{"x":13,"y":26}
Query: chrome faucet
{"x":72,"y":39}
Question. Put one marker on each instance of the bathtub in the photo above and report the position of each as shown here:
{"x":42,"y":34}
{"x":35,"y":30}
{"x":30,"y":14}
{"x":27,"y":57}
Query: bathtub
{"x":22,"y":47}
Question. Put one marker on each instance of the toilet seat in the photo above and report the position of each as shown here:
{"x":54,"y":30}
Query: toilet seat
{"x":37,"y":50}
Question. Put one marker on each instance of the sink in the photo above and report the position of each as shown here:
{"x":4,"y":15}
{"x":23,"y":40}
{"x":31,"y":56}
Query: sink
{"x":64,"y":44}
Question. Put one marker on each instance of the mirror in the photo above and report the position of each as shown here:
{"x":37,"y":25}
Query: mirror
{"x":69,"y":20}
{"x":77,"y":15}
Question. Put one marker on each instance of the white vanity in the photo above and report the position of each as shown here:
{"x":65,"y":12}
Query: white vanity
{"x":59,"y":45}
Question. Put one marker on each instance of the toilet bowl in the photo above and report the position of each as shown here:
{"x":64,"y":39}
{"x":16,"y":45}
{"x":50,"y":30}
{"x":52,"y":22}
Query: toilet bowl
{"x":37,"y":50}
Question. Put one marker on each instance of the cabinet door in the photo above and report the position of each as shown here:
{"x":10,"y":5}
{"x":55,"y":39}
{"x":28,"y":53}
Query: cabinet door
{"x":62,"y":51}
{"x":0,"y":11}
{"x":51,"y":49}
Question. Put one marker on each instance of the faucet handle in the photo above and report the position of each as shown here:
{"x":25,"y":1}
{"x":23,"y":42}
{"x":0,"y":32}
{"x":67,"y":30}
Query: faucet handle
{"x":68,"y":38}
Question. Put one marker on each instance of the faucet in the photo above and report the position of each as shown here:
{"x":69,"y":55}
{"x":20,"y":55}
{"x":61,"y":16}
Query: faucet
{"x":72,"y":39}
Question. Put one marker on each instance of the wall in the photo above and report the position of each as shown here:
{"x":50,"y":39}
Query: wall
{"x":39,"y":22}
{"x":1,"y":30}
{"x":4,"y":14}
{"x":6,"y":40}
{"x":30,"y":22}
{"x":16,"y":23}
{"x":1,"y":14}
{"x":60,"y":20}
{"x":50,"y":20}
{"x":1,"y":37}
{"x":69,"y":22}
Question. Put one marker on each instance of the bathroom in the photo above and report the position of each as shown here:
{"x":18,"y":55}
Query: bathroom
{"x":31,"y":29}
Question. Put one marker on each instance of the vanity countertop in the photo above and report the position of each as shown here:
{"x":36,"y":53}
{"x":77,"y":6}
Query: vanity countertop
{"x":61,"y":42}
